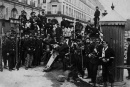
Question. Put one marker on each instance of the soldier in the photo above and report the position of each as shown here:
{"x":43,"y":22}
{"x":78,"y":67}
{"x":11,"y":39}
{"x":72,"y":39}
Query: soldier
{"x":96,"y":17}
{"x":87,"y":60}
{"x":95,"y":49}
{"x":23,"y":20}
{"x":49,"y":27}
{"x":11,"y":52}
{"x":30,"y":48}
{"x":4,"y":51}
{"x":58,"y":33}
{"x":33,"y":20}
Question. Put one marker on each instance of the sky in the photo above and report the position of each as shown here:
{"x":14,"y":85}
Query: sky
{"x":121,"y":6}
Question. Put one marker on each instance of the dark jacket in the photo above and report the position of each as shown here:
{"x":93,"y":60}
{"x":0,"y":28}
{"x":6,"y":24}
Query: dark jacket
{"x":108,"y":54}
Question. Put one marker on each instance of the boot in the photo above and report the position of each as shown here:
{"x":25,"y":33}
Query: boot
{"x":112,"y":85}
{"x":105,"y":84}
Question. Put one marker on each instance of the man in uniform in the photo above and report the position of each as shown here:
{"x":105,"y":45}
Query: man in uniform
{"x":5,"y":50}
{"x":33,"y":20}
{"x":96,"y":17}
{"x":30,"y":48}
{"x":49,"y":27}
{"x":23,"y":20}
{"x":58,"y":33}
{"x":11,"y":45}
{"x":87,"y":60}
{"x":95,"y":49}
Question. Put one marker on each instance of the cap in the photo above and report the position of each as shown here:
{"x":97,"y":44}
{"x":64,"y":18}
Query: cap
{"x":32,"y":12}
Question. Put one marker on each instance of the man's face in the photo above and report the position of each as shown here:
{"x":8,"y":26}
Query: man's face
{"x":97,"y":8}
{"x":43,"y":13}
{"x":105,"y":44}
{"x":97,"y":41}
{"x":87,"y":40}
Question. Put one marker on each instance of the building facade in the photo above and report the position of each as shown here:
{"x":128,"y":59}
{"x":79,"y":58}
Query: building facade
{"x":12,"y":9}
{"x":83,"y":10}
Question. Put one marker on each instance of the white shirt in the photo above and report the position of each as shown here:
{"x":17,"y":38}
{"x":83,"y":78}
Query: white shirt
{"x":103,"y":51}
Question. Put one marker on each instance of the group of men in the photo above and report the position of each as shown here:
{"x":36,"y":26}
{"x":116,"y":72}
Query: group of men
{"x":36,"y":44}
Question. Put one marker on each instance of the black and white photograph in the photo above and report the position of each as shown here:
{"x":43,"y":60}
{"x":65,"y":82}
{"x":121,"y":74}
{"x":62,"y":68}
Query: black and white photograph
{"x":64,"y":43}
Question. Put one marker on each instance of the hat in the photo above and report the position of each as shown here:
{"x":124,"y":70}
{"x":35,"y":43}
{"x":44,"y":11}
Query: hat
{"x":32,"y":13}
{"x":128,"y":39}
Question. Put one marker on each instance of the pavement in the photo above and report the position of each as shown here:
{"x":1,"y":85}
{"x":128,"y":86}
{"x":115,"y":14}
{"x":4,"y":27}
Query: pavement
{"x":34,"y":77}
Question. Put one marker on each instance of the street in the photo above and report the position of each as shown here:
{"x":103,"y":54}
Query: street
{"x":34,"y":78}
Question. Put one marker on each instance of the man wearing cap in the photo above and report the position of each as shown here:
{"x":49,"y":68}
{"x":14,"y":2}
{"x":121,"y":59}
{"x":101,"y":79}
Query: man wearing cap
{"x":58,"y":33}
{"x":128,"y":57}
{"x":33,"y":20}
{"x":49,"y":27}
{"x":22,"y":19}
{"x":96,"y":16}
{"x":11,"y":52}
{"x":30,"y":48}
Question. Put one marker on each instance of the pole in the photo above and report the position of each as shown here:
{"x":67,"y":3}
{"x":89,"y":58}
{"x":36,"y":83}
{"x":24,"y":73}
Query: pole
{"x":1,"y":68}
{"x":74,"y":27}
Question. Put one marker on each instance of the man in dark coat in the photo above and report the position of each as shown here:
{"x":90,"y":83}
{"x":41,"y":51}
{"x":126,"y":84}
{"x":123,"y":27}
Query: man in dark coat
{"x":22,"y":19}
{"x":128,"y":57}
{"x":107,"y":58}
{"x":30,"y":48}
{"x":4,"y":51}
{"x":11,"y":45}
{"x":95,"y":49}
{"x":96,"y":16}
{"x":87,"y":60}
{"x":38,"y":51}
{"x":49,"y":27}
{"x":58,"y":33}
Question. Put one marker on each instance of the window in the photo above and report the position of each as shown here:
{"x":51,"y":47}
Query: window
{"x":63,"y":9}
{"x":66,"y":10}
{"x":54,"y":9}
{"x":14,"y":13}
{"x":44,"y":1}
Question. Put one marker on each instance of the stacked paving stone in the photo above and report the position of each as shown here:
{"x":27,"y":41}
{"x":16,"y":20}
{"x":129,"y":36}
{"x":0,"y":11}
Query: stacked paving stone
{"x":127,"y":35}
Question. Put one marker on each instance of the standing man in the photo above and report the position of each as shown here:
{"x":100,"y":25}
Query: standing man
{"x":107,"y":58}
{"x":58,"y":33}
{"x":30,"y":47}
{"x":49,"y":27}
{"x":11,"y":52}
{"x":128,"y":57}
{"x":87,"y":59}
{"x":96,"y":16}
{"x":95,"y":49}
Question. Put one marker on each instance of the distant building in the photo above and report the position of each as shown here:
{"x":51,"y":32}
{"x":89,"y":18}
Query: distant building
{"x":12,"y":9}
{"x":83,"y":10}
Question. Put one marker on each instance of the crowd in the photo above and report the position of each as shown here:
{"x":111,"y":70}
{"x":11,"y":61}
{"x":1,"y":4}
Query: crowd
{"x":37,"y":41}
